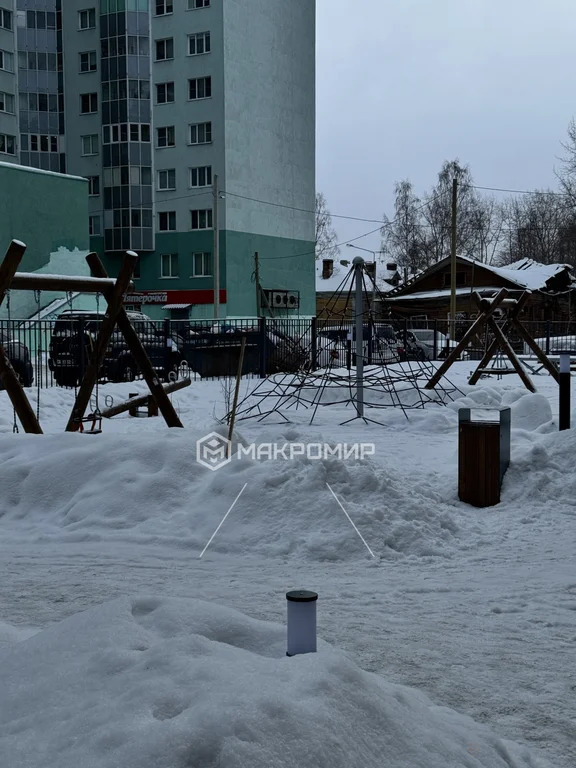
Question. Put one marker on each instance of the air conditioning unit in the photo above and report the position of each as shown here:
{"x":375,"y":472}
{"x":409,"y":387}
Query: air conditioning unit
{"x":293,"y":300}
{"x":279,"y":299}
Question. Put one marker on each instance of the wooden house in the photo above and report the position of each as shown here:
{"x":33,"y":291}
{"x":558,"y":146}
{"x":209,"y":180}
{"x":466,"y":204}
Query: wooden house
{"x":427,"y":294}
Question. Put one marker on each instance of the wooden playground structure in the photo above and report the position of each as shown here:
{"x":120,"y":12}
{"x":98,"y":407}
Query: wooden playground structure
{"x":113,"y":290}
{"x":499,"y":343}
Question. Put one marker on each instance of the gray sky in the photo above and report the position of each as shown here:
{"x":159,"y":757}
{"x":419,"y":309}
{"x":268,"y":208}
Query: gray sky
{"x":403,"y":85}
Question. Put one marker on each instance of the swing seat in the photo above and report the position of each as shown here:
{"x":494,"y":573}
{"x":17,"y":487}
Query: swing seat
{"x":95,"y":422}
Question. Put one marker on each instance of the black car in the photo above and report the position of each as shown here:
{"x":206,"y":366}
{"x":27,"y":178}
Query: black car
{"x":73,"y":338}
{"x":19,"y":357}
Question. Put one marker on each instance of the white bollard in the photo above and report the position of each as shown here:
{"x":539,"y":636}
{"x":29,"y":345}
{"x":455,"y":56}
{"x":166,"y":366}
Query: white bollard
{"x":301,"y":606}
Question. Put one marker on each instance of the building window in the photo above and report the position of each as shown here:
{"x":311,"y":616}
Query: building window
{"x":165,"y":49}
{"x":167,"y":179}
{"x":461,"y":279}
{"x":7,"y":144}
{"x":198,"y":43}
{"x":113,"y":134}
{"x":164,"y":93}
{"x":6,"y":102}
{"x":200,"y":133}
{"x":201,"y":177}
{"x":87,"y":19}
{"x":139,"y":132}
{"x":163,"y":7}
{"x":169,"y":265}
{"x":165,"y":136}
{"x":193,"y":4}
{"x":138,"y":89}
{"x":5,"y":20}
{"x":94,"y":227}
{"x":6,"y":61}
{"x":93,"y":185}
{"x":88,"y":103}
{"x":201,"y":219}
{"x":200,"y":88}
{"x":88,"y":61}
{"x":89,"y":145}
{"x":167,"y":221}
{"x":201,"y":264}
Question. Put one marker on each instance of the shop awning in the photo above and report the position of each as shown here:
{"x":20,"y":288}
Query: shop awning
{"x":177,"y":306}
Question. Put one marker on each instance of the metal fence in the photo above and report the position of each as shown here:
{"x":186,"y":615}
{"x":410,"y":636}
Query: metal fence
{"x":56,"y":352}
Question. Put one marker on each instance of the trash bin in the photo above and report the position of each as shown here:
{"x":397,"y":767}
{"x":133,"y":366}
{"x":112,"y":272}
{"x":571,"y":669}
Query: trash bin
{"x":483,"y":456}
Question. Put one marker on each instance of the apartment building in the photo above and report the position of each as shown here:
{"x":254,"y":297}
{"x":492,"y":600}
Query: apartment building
{"x":151,"y":100}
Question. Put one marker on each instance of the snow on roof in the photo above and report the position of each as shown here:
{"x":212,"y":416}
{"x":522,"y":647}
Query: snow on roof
{"x":41,"y":170}
{"x":528,"y":273}
{"x":445,"y":293}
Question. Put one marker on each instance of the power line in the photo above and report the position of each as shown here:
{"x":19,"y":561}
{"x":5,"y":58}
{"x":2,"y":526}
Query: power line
{"x":304,"y":210}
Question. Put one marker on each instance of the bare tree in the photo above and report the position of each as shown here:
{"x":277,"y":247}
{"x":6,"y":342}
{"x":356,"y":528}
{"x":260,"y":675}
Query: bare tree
{"x":566,"y":175}
{"x":541,"y":226}
{"x":326,"y":239}
{"x":402,"y":238}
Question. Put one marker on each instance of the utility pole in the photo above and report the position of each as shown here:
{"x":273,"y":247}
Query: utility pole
{"x":216,"y":248}
{"x":257,"y":281}
{"x":452,"y":323}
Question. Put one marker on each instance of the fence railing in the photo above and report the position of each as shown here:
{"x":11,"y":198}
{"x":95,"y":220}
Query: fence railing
{"x":55,"y":352}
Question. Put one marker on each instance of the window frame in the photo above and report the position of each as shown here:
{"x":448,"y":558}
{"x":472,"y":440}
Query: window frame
{"x":195,"y":36}
{"x":93,"y":186}
{"x":197,"y":5}
{"x":89,"y":54}
{"x":206,"y":170}
{"x":4,"y":56}
{"x":90,"y":17}
{"x":6,"y":14}
{"x":206,"y":257}
{"x":197,"y":126}
{"x":164,"y":41}
{"x":173,"y":134}
{"x":205,"y":79}
{"x":5,"y":99}
{"x":91,"y":137}
{"x":167,"y":172}
{"x":169,"y":215}
{"x":93,"y":100}
{"x":6,"y":137}
{"x":165,"y":4}
{"x":166,"y":87}
{"x":209,"y":219}
{"x":171,"y":257}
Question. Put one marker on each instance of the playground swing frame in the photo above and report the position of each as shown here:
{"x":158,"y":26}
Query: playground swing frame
{"x":113,"y":290}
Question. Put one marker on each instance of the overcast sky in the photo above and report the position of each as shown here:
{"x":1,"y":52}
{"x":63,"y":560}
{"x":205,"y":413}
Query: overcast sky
{"x":403,"y":85}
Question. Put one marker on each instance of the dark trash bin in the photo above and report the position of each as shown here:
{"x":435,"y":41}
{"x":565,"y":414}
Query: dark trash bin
{"x":483,"y":456}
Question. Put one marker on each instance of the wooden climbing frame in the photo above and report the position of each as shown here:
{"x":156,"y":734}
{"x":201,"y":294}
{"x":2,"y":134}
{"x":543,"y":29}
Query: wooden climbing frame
{"x":499,"y":343}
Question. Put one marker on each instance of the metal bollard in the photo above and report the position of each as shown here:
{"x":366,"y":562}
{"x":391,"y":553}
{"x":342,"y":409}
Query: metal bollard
{"x":301,"y":633}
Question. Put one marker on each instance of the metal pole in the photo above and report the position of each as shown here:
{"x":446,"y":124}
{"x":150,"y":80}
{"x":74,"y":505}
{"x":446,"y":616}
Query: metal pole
{"x":257,"y":281}
{"x":452,"y":324}
{"x":216,"y":249}
{"x":564,"y":382}
{"x":358,"y":307}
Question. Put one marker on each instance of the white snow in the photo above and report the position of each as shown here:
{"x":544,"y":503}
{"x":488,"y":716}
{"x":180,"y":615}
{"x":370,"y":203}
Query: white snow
{"x":475,"y":608}
{"x":147,"y":682}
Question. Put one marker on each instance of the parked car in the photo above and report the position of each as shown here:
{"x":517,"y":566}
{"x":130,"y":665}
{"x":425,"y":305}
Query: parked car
{"x":215,"y":351}
{"x":73,"y":338}
{"x":379,"y":343}
{"x":554,"y":344}
{"x":19,"y":357}
{"x":427,"y":337}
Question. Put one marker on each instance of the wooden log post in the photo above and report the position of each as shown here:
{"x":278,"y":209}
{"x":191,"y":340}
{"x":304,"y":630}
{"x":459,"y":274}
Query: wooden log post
{"x":139,"y":353}
{"x":8,"y":376}
{"x":135,"y":402}
{"x":114,"y":299}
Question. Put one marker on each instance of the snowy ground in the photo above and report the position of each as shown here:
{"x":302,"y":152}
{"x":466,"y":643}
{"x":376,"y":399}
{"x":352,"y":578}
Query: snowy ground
{"x":476,"y":608}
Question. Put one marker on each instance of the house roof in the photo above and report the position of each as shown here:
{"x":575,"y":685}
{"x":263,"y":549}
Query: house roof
{"x":526,"y":274}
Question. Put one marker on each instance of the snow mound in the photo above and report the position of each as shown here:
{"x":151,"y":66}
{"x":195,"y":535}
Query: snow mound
{"x":173,"y":683}
{"x":120,"y":488}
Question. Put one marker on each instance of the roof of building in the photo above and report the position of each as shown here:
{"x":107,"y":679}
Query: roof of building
{"x":527,"y":274}
{"x":341,"y":280}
